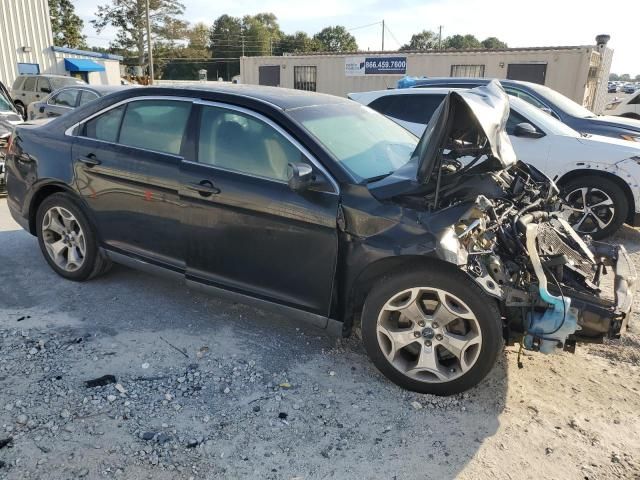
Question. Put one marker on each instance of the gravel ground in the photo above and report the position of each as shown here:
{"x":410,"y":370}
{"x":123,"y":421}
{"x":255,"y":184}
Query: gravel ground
{"x":203,"y":389}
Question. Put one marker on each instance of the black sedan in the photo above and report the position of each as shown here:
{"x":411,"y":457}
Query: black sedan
{"x":439,"y":249}
{"x":66,"y":99}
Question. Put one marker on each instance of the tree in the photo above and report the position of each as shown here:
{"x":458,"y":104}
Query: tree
{"x":298,"y":42}
{"x":425,"y":40}
{"x":128,"y":17}
{"x":66,"y":25}
{"x":225,"y":39}
{"x":625,"y":77}
{"x":261,"y":33}
{"x":336,"y":39}
{"x":637,"y":78}
{"x":462,"y":42}
{"x":198,"y":36}
{"x":614,"y":77}
{"x":493,"y":43}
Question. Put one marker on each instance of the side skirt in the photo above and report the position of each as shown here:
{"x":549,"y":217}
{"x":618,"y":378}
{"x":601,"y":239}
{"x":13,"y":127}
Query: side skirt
{"x":333,"y":327}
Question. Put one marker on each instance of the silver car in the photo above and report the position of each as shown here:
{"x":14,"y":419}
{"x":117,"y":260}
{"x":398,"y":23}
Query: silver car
{"x":68,"y":98}
{"x":31,"y":88}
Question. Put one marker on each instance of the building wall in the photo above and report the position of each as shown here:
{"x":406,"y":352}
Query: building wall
{"x":16,"y":33}
{"x":26,"y":23}
{"x":567,"y":68}
{"x":111,"y":75}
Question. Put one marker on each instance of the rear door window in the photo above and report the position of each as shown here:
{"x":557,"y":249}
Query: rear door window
{"x":44,"y":86}
{"x":157,"y":125}
{"x":409,"y":108}
{"x":105,"y":127}
{"x":29,"y":84}
{"x":86,"y":96}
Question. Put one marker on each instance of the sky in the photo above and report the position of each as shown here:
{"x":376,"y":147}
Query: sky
{"x":542,"y":23}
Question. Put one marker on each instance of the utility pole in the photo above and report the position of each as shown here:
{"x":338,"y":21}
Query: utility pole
{"x":149,"y":46}
{"x":243,"y":45}
{"x":383,"y":35}
{"x":440,"y":38}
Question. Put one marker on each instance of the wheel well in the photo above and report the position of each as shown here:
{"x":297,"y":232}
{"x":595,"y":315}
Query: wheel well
{"x":376,"y":272}
{"x":572,"y":175}
{"x":37,"y":200}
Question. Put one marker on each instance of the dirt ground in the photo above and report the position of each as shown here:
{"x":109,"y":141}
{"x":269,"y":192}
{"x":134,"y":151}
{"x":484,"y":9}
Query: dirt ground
{"x":206,"y":389}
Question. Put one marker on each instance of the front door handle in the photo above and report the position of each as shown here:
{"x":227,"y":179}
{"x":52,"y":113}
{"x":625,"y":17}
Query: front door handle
{"x":89,"y":160}
{"x":206,"y":188}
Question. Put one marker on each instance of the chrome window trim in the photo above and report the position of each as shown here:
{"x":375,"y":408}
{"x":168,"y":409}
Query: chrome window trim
{"x":69,"y":131}
{"x":278,"y":129}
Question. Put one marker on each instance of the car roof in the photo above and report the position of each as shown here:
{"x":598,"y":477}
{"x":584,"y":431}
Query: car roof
{"x":101,"y":90}
{"x":283,"y":98}
{"x":469,"y":80}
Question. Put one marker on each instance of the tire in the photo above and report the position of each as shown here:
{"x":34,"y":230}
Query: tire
{"x":602,"y":221}
{"x":424,"y":340}
{"x":78,"y":249}
{"x":22,"y":110}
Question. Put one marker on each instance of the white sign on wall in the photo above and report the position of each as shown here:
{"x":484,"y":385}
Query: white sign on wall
{"x":354,"y":66}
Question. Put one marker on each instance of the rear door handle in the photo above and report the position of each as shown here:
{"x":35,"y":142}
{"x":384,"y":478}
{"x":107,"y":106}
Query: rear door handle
{"x":205,"y":188}
{"x":89,"y":160}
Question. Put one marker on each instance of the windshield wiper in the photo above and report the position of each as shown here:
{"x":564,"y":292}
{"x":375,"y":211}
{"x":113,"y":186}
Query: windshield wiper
{"x":378,"y":177}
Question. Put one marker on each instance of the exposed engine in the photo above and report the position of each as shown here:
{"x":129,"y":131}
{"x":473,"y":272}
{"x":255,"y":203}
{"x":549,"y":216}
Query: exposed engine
{"x":517,"y":245}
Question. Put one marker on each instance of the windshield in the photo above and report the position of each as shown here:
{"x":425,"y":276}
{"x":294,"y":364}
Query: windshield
{"x":367,"y":144}
{"x":564,"y":103}
{"x":541,"y":118}
{"x":5,"y":106}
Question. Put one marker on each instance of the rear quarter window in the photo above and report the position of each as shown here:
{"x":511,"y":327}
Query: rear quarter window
{"x":417,"y":108}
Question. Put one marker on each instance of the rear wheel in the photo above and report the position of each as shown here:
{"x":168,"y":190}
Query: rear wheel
{"x":67,"y":240}
{"x":431,"y":331}
{"x":597,"y":206}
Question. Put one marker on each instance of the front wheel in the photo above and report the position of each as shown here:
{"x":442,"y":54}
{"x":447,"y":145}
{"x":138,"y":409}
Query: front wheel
{"x":431,"y":331}
{"x":597,"y":206}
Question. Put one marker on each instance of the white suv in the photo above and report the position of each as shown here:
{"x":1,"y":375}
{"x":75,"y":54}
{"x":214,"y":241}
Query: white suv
{"x":31,"y":88}
{"x":599,"y":176}
{"x":629,"y":107}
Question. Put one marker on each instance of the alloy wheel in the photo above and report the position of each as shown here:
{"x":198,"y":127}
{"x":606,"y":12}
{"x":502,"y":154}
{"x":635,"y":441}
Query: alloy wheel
{"x":590,"y":209}
{"x":429,"y":334}
{"x":63,"y":239}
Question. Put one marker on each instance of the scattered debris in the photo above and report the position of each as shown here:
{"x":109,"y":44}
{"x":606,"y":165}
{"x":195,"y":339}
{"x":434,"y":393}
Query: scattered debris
{"x":283,"y":415}
{"x":5,"y":442}
{"x":183,"y":352}
{"x":100,"y":381}
{"x":416,"y":405}
{"x":120,"y":388}
{"x":148,"y":435}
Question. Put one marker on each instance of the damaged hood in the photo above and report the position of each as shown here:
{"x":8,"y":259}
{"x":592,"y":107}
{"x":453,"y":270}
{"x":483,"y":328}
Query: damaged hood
{"x":482,"y":111}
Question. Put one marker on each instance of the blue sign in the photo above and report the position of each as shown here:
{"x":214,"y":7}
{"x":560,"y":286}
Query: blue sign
{"x":385,"y":66}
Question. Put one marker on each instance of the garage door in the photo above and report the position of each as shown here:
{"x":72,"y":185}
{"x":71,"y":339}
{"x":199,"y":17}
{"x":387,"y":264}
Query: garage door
{"x":528,"y":72}
{"x":269,"y":75}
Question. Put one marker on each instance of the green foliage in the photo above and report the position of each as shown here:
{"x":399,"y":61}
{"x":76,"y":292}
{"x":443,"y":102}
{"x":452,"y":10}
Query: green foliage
{"x":425,"y":40}
{"x":128,"y":17}
{"x":459,"y":42}
{"x":336,"y":39}
{"x":66,"y":25}
{"x":493,"y":42}
{"x":198,"y":36}
{"x":298,"y":42}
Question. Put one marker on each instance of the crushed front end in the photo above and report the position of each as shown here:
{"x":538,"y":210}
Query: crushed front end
{"x":554,"y":287}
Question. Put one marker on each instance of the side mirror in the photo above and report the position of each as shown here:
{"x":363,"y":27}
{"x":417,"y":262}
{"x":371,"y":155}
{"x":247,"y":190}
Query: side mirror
{"x":527,"y":130}
{"x":548,"y":111}
{"x":300,"y":176}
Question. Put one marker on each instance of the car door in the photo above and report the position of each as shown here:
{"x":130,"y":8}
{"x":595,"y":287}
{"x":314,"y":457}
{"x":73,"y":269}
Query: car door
{"x":244,"y":228}
{"x":27,"y":93}
{"x":127,"y":163}
{"x":43,"y":89}
{"x":529,"y":150}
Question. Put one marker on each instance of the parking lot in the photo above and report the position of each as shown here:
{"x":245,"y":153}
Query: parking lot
{"x":208,"y":389}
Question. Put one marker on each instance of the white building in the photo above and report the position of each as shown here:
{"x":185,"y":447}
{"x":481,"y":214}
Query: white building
{"x":26,"y":47}
{"x":579,"y":72}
